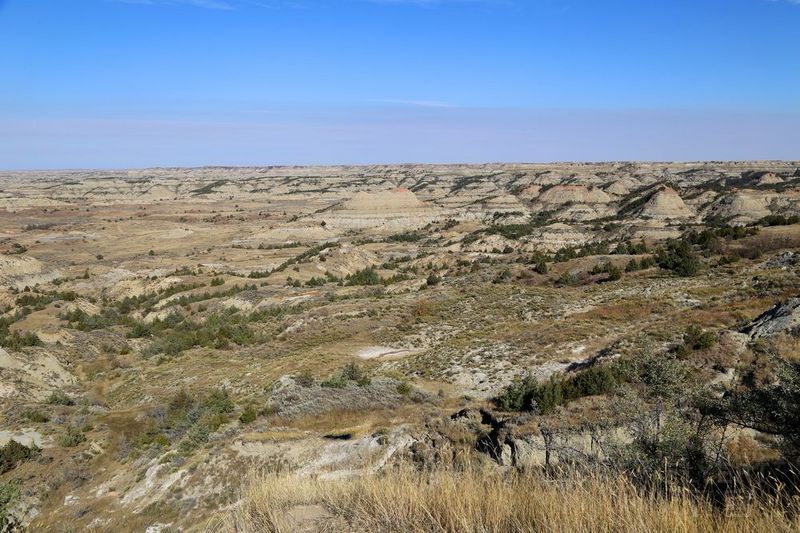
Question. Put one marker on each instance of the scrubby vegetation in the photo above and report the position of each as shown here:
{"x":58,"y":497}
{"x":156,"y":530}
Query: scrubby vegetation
{"x":58,"y":397}
{"x":773,"y":409}
{"x":12,"y":453}
{"x":14,"y":340}
{"x":779,"y":220}
{"x":678,"y":257}
{"x":9,"y":492}
{"x":72,"y":437}
{"x":176,"y":334}
{"x":350,"y":373}
{"x":186,"y":420}
{"x":696,"y":339}
{"x":529,"y":394}
{"x":485,"y":370}
{"x":367,"y":276}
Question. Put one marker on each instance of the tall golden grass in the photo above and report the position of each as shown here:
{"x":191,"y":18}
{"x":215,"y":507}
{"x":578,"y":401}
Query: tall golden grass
{"x":483,"y":501}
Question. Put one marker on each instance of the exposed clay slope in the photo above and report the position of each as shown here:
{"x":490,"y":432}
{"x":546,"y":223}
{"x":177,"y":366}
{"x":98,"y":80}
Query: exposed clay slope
{"x":562,"y":194}
{"x":741,"y":206}
{"x":665,"y":203}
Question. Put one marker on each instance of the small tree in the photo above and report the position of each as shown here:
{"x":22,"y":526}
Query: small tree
{"x":679,"y":258}
{"x":248,"y":415}
{"x":774,"y":409}
{"x":614,"y":272}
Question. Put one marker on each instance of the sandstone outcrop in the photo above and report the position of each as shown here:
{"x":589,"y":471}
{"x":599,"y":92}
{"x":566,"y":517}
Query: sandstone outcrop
{"x":781,"y":318}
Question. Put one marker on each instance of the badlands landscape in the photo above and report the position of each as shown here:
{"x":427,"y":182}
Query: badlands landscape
{"x":290,"y":348}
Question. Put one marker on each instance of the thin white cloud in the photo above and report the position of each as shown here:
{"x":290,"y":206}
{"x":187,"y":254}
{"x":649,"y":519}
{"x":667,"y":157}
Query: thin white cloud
{"x":222,"y":5}
{"x":412,"y":103}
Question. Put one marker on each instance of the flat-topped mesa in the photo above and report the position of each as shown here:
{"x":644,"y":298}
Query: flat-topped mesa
{"x":389,"y":201}
{"x":665,"y":203}
{"x":558,"y":235}
{"x":563,"y":194}
{"x":503,"y":205}
{"x":388,"y":210}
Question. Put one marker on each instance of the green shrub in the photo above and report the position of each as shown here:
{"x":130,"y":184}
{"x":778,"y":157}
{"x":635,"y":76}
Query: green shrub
{"x":58,"y":397}
{"x":367,"y":276}
{"x":197,"y":435}
{"x":404,"y":388}
{"x":9,"y":492}
{"x":630,"y":248}
{"x":697,"y":339}
{"x":573,"y":252}
{"x":335,"y":382}
{"x":176,"y":334}
{"x":17,"y":248}
{"x":404,"y":237}
{"x":71,"y":438}
{"x":139,"y":330}
{"x":591,"y":382}
{"x":772,"y":409}
{"x":679,"y":258}
{"x":647,"y":262}
{"x":219,"y":402}
{"x":82,"y":321}
{"x":662,"y":375}
{"x":503,"y":276}
{"x":528,"y":394}
{"x":353,"y":372}
{"x":304,"y":378}
{"x":305,"y":256}
{"x":34,"y":415}
{"x":614,"y":273}
{"x":515,"y":396}
{"x":315,"y":282}
{"x":248,"y":416}
{"x":13,"y":453}
{"x":568,"y":278}
{"x":779,"y":220}
{"x":15,"y":340}
{"x":188,"y":418}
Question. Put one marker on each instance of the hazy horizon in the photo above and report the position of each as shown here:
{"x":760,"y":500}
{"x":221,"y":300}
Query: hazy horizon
{"x":144,"y":83}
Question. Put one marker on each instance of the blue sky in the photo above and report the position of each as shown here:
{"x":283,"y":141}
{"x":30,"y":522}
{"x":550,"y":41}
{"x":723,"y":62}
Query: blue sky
{"x":132,"y":83}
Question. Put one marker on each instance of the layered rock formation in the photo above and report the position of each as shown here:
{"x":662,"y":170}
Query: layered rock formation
{"x":665,"y":203}
{"x":741,"y":207}
{"x":781,"y":318}
{"x":391,"y":210}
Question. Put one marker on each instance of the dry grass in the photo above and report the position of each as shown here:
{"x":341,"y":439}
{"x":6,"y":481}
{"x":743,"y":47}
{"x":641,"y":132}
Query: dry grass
{"x":447,"y":501}
{"x":624,"y":312}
